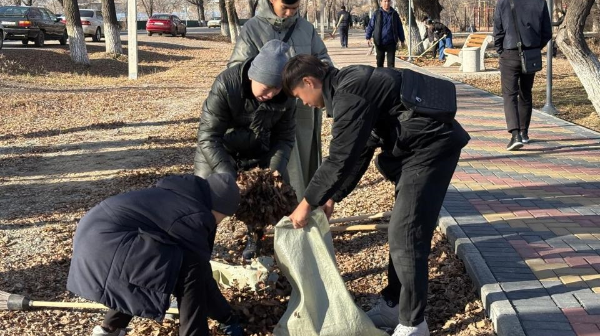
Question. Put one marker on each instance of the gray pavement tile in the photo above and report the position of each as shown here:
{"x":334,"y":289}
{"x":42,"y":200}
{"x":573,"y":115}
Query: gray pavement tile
{"x":566,"y":300}
{"x":589,"y":301}
{"x":526,"y":294}
{"x":539,"y":301}
{"x":514,"y":269}
{"x":547,"y":326}
{"x":514,"y":277}
{"x":520,"y":285}
{"x":546,"y":332}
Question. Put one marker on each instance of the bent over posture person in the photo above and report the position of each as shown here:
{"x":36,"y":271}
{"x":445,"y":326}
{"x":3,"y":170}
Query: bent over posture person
{"x":419,"y":154}
{"x":133,"y":250}
{"x":248,"y":122}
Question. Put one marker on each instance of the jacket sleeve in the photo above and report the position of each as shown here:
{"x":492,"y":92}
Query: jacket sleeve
{"x":400,"y":28}
{"x":244,"y":49}
{"x":499,"y":30}
{"x":191,"y":234}
{"x":370,"y":27}
{"x":214,"y":121}
{"x":284,"y":133}
{"x":318,"y":48}
{"x":351,"y":130}
{"x":546,"y":26}
{"x":359,"y":170}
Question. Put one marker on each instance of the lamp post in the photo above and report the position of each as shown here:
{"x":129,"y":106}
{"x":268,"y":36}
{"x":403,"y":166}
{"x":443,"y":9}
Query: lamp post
{"x":549,"y":106}
{"x":132,"y":50}
{"x":410,"y":31}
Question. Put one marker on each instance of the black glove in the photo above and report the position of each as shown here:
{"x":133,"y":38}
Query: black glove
{"x":232,"y":326}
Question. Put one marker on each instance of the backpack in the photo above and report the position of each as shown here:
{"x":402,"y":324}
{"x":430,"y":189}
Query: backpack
{"x":428,"y":96}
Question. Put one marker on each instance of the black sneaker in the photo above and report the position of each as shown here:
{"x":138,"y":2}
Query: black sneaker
{"x":253,"y":245}
{"x":525,"y":136}
{"x":515,"y":142}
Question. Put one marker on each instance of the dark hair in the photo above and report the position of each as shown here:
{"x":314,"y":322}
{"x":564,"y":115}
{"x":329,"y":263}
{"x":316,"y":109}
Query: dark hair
{"x":343,"y":7}
{"x":301,"y":66}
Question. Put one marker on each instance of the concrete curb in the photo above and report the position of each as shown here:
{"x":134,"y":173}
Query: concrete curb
{"x":497,"y":305}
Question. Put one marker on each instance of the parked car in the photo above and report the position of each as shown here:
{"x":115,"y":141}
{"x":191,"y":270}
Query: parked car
{"x":92,"y":23}
{"x":35,"y":24}
{"x":1,"y":36}
{"x":165,"y":24}
{"x":215,"y":22}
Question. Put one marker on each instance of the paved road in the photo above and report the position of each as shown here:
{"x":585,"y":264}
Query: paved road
{"x":527,"y":223}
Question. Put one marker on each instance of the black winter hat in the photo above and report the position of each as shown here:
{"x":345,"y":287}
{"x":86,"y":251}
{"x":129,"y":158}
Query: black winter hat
{"x":224,"y":192}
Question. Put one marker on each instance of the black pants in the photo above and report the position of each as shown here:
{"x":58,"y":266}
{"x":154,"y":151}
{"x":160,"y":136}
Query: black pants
{"x":198,"y":297}
{"x":516,"y":91}
{"x":390,"y":50}
{"x":420,"y":192}
{"x":344,"y":36}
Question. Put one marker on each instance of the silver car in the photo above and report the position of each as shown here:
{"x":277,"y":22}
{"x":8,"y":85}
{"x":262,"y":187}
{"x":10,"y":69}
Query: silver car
{"x":92,"y":23}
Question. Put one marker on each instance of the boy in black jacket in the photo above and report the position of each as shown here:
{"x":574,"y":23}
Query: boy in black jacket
{"x":133,"y":250}
{"x":419,"y":154}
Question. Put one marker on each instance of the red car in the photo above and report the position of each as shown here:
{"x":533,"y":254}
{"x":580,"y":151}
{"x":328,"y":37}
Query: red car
{"x":165,"y":24}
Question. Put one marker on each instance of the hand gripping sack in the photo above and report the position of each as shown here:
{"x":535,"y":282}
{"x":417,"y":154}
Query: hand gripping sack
{"x":319,"y":303}
{"x":428,"y":96}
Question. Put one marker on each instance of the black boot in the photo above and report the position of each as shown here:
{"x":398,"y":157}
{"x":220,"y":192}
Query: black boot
{"x":253,"y":245}
{"x":515,"y":141}
{"x":525,"y":136}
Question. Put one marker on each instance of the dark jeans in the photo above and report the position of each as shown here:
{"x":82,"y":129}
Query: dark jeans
{"x":390,"y":50}
{"x":198,"y":297}
{"x":516,"y":91}
{"x":344,"y":36}
{"x":420,"y":192}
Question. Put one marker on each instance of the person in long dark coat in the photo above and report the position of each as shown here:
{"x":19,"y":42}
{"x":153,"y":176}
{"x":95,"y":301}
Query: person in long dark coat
{"x":418,"y":153}
{"x":133,"y":250}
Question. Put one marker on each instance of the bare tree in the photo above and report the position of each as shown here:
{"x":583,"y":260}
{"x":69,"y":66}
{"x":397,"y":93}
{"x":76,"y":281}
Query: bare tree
{"x":27,"y":2}
{"x":413,"y":30}
{"x":148,"y":7}
{"x":76,"y":38}
{"x":224,"y":18}
{"x":572,"y":43}
{"x":596,"y":19}
{"x":199,"y":8}
{"x":112,"y":35}
{"x":233,"y":33}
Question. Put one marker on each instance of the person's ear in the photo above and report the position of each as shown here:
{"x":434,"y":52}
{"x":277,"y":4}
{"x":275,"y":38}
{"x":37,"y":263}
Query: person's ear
{"x":308,"y":81}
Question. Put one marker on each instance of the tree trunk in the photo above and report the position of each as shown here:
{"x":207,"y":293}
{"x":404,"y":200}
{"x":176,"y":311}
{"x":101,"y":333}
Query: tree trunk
{"x":431,"y":8}
{"x":252,"y":4}
{"x":374,"y":5}
{"x":572,"y":43}
{"x":112,"y":35}
{"x":596,"y":18}
{"x":28,"y":2}
{"x":410,"y":31}
{"x":76,"y":38}
{"x":200,"y":9}
{"x":148,"y":7}
{"x":224,"y":19}
{"x":232,"y":25}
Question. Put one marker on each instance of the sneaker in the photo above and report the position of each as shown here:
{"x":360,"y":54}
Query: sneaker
{"x":421,"y":330}
{"x":515,"y":142}
{"x":525,"y":136}
{"x":385,"y":314}
{"x":99,"y":331}
{"x":253,"y":245}
{"x":172,"y":316}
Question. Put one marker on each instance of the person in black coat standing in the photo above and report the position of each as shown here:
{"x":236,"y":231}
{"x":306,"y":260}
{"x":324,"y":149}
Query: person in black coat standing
{"x":344,"y":21}
{"x":385,"y":32}
{"x":248,"y":122}
{"x":419,"y":154}
{"x":536,"y":30}
{"x":133,"y":250}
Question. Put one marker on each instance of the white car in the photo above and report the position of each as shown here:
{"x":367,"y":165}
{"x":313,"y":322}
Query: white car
{"x":215,"y":22}
{"x":92,"y":23}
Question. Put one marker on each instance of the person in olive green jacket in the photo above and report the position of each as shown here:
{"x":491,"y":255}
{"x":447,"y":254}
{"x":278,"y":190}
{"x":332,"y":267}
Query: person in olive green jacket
{"x":274,"y":19}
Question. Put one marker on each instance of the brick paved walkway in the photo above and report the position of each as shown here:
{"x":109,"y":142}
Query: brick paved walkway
{"x":526,"y":223}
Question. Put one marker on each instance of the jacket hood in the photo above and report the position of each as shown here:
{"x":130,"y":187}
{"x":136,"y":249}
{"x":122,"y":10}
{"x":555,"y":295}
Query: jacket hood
{"x":189,"y":186}
{"x":265,"y":12}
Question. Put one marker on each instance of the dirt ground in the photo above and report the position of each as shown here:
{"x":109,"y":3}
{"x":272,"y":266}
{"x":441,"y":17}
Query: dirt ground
{"x":71,"y":136}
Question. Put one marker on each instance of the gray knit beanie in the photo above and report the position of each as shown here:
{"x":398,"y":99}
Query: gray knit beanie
{"x":267,"y":66}
{"x":224,"y":193}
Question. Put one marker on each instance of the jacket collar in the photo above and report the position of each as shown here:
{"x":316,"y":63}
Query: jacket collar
{"x":246,"y":91}
{"x":330,"y":84}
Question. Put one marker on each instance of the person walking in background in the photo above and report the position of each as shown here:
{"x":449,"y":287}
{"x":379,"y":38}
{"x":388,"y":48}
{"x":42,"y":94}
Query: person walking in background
{"x":385,"y":31}
{"x":535,"y":31}
{"x":344,"y":21}
{"x":442,"y":33}
{"x":279,"y":19}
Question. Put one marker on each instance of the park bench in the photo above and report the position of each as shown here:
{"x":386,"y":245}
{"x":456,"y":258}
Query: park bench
{"x":454,"y":55}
